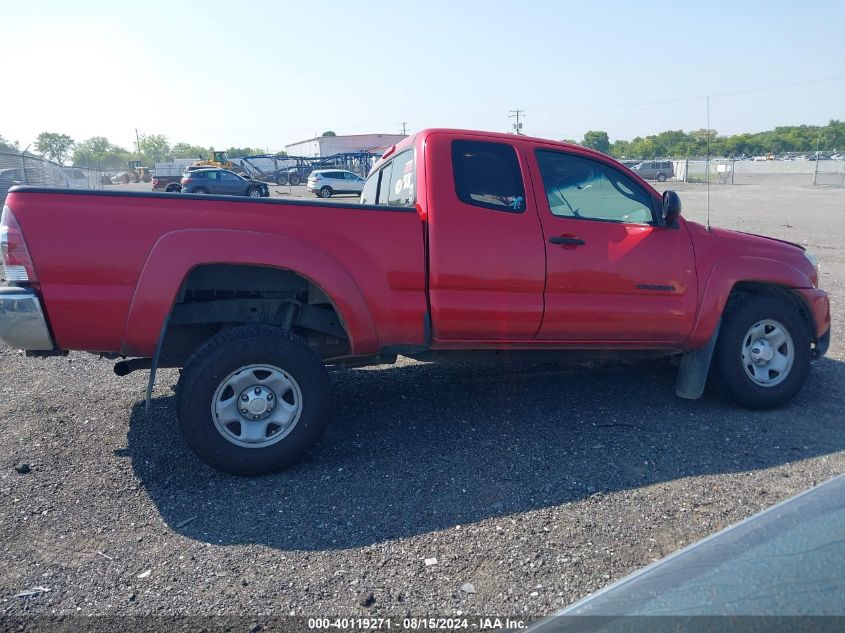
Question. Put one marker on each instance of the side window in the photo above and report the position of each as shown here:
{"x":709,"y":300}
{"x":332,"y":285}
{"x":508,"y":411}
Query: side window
{"x":384,"y":183}
{"x":488,"y":175}
{"x":368,"y":193}
{"x":401,"y":191}
{"x":579,"y":187}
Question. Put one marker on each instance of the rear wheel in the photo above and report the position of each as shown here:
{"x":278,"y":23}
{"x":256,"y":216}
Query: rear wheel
{"x":173,"y":188}
{"x":661,"y":177}
{"x":253,"y":399}
{"x":325,"y":192}
{"x":763,"y":352}
{"x":200,"y":190}
{"x":295,"y":179}
{"x":281,"y":179}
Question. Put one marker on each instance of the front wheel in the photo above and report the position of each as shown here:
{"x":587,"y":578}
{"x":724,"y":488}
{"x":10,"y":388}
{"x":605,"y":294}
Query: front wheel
{"x":763,"y":352}
{"x":253,"y":192}
{"x":661,"y":177}
{"x":295,"y":179}
{"x":253,"y":399}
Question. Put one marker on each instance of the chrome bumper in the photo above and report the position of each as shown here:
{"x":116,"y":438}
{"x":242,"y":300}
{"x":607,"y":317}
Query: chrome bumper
{"x":22,"y":323}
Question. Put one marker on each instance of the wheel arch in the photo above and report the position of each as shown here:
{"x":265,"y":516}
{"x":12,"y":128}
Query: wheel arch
{"x":176,"y":255}
{"x":736,"y":277}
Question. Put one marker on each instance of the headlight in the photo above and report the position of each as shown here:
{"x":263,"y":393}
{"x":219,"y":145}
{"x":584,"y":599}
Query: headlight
{"x":815,"y":263}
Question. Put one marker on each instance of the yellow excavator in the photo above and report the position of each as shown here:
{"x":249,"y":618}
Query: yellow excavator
{"x":218,"y":159}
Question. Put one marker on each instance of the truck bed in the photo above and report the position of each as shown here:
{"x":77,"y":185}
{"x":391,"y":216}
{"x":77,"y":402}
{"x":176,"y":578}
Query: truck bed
{"x":91,"y":248}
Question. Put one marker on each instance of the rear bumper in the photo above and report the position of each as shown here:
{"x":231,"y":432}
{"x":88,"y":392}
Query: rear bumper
{"x":22,"y":323}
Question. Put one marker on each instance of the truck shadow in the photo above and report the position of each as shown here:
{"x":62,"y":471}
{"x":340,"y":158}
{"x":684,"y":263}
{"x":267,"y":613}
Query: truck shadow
{"x":420,"y":448}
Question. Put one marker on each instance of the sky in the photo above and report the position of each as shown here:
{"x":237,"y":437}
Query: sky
{"x":265,"y":74}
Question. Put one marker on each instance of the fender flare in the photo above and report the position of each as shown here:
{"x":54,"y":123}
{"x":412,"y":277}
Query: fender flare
{"x":175,"y":254}
{"x":726,"y":274}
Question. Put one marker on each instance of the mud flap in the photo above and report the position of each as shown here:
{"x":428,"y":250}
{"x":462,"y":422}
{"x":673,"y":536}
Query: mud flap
{"x":695,"y":365}
{"x":154,"y":366}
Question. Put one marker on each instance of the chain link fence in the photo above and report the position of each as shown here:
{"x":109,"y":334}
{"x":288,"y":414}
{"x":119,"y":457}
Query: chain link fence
{"x":768,"y":172}
{"x":25,"y":169}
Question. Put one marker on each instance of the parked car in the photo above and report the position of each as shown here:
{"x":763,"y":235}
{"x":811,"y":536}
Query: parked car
{"x":222,"y":182}
{"x":170,"y":184}
{"x":327,"y":182}
{"x":503,"y":243}
{"x":785,"y":561}
{"x":658,"y":170}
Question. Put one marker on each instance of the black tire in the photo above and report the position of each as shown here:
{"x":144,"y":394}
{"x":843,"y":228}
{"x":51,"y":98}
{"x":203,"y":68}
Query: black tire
{"x":325,"y":192}
{"x":254,"y":192}
{"x":200,"y":190}
{"x":281,"y":179}
{"x":295,"y":179}
{"x":173,"y":188}
{"x":733,"y":379}
{"x":224,"y":354}
{"x":661,"y":177}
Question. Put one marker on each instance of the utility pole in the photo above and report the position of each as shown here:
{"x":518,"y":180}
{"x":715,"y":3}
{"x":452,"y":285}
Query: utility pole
{"x":515,"y":114}
{"x":404,"y":128}
{"x":138,"y":143}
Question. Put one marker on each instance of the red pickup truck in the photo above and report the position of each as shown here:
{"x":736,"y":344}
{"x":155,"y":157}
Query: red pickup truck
{"x":464,"y":244}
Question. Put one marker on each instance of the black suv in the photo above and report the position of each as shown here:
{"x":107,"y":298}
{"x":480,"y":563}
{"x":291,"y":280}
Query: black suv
{"x":223,"y":183}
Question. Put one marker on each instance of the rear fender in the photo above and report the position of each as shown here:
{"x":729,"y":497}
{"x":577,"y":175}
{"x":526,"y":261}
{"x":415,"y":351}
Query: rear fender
{"x":176,"y":254}
{"x":728,"y":272}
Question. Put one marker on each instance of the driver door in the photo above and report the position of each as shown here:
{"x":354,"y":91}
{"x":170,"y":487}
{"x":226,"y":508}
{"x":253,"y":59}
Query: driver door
{"x":612,"y":273}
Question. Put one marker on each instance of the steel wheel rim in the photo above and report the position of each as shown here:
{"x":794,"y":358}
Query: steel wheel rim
{"x":768,"y":353}
{"x":256,"y":406}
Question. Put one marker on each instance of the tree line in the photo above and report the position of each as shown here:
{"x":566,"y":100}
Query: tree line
{"x":677,"y":143}
{"x":99,"y":153}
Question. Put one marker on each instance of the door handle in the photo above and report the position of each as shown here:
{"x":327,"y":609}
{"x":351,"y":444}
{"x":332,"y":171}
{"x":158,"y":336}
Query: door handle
{"x":572,"y":241}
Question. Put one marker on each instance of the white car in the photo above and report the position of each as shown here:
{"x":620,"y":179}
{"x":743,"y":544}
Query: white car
{"x":327,"y":182}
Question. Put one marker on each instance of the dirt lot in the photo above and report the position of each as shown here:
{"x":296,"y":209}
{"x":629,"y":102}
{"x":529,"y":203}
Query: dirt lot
{"x":536,"y":485}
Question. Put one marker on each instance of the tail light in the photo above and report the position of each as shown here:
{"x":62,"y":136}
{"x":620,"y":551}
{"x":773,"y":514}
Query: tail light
{"x":185,"y":180}
{"x":14,"y":254}
{"x":155,"y":182}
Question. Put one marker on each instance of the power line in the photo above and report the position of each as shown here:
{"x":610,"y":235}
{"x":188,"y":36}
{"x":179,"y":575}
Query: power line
{"x":517,"y":127}
{"x":732,"y":93}
{"x":404,"y":131}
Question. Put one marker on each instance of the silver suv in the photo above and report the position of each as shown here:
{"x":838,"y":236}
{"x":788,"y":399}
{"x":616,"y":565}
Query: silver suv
{"x":327,"y":182}
{"x":658,"y":170}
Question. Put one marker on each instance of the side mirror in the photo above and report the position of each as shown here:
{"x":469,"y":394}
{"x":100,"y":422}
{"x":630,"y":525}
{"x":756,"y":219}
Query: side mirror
{"x":671,"y":208}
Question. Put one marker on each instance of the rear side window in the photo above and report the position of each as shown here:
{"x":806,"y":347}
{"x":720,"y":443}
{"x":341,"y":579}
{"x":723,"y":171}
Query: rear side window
{"x":384,"y":184}
{"x":368,"y":193}
{"x":488,"y":175}
{"x":394,"y":184}
{"x":401,"y":191}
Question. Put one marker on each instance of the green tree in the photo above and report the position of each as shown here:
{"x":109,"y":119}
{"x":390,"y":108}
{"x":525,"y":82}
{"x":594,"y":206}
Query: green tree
{"x":596,"y":139}
{"x":54,"y":146}
{"x":328,"y":133}
{"x":154,"y":147}
{"x":238,"y":152}
{"x":8,"y":146}
{"x":185,"y":150}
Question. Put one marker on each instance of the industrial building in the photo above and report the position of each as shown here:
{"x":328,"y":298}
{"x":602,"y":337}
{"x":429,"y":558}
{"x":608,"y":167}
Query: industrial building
{"x":330,"y":145}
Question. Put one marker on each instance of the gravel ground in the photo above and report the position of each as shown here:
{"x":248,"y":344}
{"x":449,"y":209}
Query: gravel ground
{"x":535,"y":484}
